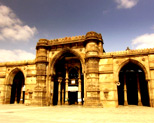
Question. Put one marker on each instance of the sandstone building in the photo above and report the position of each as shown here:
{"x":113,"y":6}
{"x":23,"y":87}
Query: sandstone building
{"x":76,"y":70}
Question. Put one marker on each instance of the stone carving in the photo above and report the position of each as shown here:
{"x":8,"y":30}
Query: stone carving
{"x":98,"y":76}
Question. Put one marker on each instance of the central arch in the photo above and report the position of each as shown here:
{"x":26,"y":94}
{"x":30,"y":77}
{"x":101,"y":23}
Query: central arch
{"x":133,"y":89}
{"x":68,"y":78}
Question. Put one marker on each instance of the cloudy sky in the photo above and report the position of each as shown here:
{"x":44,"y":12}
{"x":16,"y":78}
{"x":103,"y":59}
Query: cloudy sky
{"x":122,"y":23}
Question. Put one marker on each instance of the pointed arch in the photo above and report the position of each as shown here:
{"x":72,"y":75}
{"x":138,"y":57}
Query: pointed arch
{"x":15,"y":86}
{"x":59,"y":67}
{"x":64,"y":51}
{"x":12,"y":74}
{"x":133,"y":88}
{"x":134,"y":62}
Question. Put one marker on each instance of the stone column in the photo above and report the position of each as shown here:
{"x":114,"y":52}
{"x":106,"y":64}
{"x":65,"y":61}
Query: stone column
{"x":92,"y":91}
{"x":66,"y":88}
{"x":59,"y":90}
{"x":79,"y":89}
{"x":21,"y":97}
{"x":125,"y":91}
{"x":66,"y":92}
{"x":139,"y":93}
{"x":63,"y":93}
{"x":15,"y":101}
{"x":41,"y":65}
{"x":79,"y":92}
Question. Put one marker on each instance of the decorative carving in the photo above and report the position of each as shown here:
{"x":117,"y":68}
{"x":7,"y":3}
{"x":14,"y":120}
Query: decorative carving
{"x":106,"y":93}
{"x":117,"y":62}
{"x":92,"y":63}
{"x":38,"y":88}
{"x":143,"y":59}
{"x":66,"y":39}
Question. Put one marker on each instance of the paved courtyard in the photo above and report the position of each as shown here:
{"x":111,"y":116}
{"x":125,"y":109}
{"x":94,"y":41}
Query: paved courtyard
{"x":75,"y":114}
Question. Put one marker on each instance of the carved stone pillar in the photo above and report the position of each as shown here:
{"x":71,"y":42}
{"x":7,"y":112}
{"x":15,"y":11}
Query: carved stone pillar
{"x":66,"y":92}
{"x":41,"y":64}
{"x":63,"y":93}
{"x":125,"y":91}
{"x":59,"y":90}
{"x":139,"y":93}
{"x":92,"y":97}
{"x":66,"y":88}
{"x":22,"y":96}
{"x":79,"y":92}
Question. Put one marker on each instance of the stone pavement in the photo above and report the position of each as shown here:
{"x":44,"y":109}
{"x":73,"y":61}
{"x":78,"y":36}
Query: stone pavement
{"x":18,"y":113}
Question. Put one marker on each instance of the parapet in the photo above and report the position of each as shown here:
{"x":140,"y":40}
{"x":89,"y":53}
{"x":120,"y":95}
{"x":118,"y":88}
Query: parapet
{"x":129,"y":52}
{"x":73,"y":39}
{"x":17,"y":63}
{"x":67,"y":40}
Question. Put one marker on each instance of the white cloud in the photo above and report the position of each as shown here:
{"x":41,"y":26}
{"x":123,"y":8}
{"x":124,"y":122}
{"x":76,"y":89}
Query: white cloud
{"x":15,"y":55}
{"x":126,"y":4}
{"x":143,"y":41}
{"x":12,"y":28}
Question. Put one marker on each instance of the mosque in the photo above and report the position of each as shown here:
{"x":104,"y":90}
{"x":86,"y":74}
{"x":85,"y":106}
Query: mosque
{"x":78,"y":71}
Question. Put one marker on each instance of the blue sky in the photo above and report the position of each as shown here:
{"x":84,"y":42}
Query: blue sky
{"x":122,"y":23}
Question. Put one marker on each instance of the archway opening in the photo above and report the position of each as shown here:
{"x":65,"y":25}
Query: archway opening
{"x":133,"y":89}
{"x":17,"y":90}
{"x":68,"y":80}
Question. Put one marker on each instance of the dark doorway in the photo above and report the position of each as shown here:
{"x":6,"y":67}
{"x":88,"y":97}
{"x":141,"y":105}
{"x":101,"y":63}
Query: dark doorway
{"x":17,"y":95}
{"x":133,"y":77}
{"x":55,"y":93}
{"x":72,"y":98}
{"x":68,"y":68}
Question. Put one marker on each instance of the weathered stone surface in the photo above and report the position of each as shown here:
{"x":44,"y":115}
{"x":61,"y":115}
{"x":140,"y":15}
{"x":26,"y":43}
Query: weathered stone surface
{"x":97,"y":71}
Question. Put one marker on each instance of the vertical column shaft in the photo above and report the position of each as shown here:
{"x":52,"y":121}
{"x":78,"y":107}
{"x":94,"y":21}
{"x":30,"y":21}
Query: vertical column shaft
{"x":41,"y":68}
{"x":63,"y":95}
{"x":21,"y":98}
{"x":59,"y":91}
{"x":139,"y":93}
{"x":66,"y":87}
{"x":79,"y":89}
{"x":125,"y":91}
{"x":79,"y":92}
{"x":66,"y":92}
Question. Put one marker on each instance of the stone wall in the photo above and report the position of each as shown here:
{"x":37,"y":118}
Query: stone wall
{"x":100,"y":70}
{"x":7,"y":72}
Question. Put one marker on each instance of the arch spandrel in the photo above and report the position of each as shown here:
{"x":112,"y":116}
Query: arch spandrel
{"x":59,"y":54}
{"x":131,"y":61}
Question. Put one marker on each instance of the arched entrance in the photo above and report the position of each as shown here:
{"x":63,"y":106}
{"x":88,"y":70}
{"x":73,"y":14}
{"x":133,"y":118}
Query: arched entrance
{"x":17,"y":88}
{"x":68,"y":80}
{"x":133,"y":89}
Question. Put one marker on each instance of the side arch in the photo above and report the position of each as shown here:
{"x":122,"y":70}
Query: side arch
{"x":12,"y":74}
{"x":15,"y":86}
{"x":131,"y":61}
{"x":133,"y":88}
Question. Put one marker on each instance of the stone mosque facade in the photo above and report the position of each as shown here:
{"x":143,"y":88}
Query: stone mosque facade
{"x":78,"y":71}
